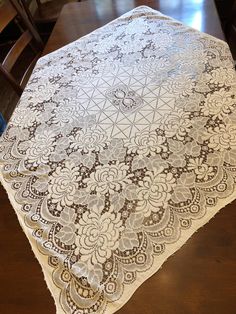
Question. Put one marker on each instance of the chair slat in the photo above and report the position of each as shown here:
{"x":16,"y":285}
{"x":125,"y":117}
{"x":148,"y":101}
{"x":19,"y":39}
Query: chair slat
{"x":9,"y":11}
{"x":16,"y":50}
{"x":7,"y":14}
{"x":29,"y":70}
{"x":18,"y":89}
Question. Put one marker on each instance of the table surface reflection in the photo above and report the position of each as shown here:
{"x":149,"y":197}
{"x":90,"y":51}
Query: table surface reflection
{"x":79,"y":19}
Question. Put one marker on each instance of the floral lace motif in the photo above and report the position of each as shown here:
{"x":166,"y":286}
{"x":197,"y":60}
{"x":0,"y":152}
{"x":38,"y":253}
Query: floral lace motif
{"x":120,"y":142}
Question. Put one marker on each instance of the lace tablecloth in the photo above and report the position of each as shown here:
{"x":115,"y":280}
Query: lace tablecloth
{"x":123,"y":144}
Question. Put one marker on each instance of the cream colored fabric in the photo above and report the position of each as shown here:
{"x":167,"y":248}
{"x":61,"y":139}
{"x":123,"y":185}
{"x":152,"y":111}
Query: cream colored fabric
{"x":122,"y":145}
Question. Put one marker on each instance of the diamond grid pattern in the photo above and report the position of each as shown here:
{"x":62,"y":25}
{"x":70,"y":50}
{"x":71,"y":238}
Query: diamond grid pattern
{"x":156,"y":102}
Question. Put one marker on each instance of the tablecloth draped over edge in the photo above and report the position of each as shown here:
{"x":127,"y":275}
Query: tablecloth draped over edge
{"x":122,"y":145}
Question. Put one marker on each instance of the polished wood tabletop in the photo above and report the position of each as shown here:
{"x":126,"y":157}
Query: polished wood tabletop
{"x":200,"y":278}
{"x":79,"y":19}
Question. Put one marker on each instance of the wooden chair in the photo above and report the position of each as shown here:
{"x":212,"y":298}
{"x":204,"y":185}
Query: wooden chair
{"x":46,"y":12}
{"x":10,"y":11}
{"x":230,"y":30}
{"x":231,"y":21}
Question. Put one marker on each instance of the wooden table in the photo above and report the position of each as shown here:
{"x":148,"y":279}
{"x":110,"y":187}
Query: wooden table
{"x":201,"y":277}
{"x":79,"y":19}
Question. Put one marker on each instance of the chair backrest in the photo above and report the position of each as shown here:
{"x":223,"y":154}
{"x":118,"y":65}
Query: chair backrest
{"x":9,"y":11}
{"x":231,"y":21}
{"x":45,"y":12}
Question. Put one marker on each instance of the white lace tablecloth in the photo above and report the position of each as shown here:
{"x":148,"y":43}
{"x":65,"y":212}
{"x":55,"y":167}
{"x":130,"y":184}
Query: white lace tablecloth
{"x":123,"y":144}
